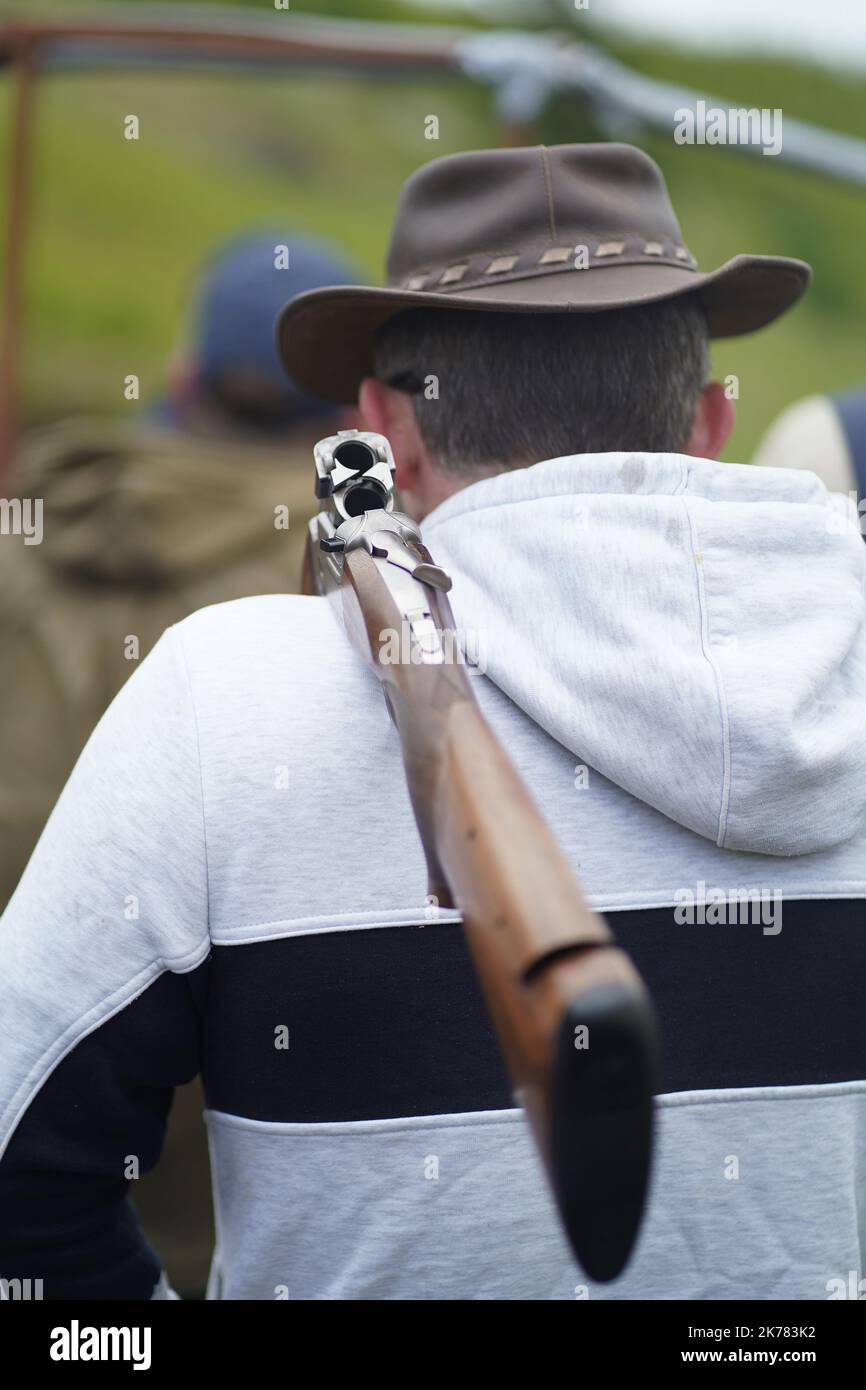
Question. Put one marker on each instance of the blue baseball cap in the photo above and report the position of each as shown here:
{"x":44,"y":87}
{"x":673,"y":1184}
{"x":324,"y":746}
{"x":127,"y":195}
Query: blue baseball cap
{"x":239,"y":297}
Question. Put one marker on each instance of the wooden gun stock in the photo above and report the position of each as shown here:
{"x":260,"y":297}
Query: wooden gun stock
{"x":575,"y":1024}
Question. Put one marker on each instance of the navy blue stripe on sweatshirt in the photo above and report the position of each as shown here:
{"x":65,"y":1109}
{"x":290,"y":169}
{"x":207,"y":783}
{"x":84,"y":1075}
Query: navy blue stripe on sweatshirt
{"x":65,"y":1213}
{"x":390,"y":1021}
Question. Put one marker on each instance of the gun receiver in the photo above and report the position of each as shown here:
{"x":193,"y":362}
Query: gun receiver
{"x":574,"y":1021}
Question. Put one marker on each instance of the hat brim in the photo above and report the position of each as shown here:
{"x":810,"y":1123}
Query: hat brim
{"x":325,"y":336}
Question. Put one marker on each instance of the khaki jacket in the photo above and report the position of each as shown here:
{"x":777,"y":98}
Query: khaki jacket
{"x":140,"y":528}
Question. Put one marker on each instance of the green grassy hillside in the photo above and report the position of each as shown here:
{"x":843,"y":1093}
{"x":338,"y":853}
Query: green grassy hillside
{"x":119,"y":226}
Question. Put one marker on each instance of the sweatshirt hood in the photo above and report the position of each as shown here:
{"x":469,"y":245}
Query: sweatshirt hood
{"x":694,"y":631}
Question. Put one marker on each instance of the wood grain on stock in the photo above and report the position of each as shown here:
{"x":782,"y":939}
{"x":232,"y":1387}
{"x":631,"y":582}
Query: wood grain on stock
{"x":535,"y":942}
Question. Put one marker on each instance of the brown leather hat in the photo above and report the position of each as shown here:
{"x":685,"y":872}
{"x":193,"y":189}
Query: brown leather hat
{"x":559,"y":229}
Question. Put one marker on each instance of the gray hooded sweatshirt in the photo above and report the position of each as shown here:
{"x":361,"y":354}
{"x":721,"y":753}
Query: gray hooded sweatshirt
{"x":673,"y":652}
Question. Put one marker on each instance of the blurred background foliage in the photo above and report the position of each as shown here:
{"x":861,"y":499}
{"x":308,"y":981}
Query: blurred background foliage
{"x":119,"y":227}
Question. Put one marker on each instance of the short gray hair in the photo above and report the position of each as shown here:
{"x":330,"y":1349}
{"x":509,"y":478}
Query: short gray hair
{"x":517,"y":388}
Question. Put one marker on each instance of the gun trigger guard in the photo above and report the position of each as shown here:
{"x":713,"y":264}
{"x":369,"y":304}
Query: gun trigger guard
{"x":433,"y":575}
{"x":389,"y":542}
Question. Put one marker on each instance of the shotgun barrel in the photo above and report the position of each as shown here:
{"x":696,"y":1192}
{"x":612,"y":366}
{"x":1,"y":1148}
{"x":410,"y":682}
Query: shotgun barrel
{"x":575,"y":1023}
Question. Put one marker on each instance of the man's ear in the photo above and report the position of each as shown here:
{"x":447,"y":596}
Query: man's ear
{"x":713,"y":423}
{"x":390,"y":412}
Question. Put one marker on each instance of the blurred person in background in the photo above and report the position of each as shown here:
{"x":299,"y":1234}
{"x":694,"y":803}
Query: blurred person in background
{"x":143,"y":523}
{"x":825,"y":434}
{"x":201,"y":499}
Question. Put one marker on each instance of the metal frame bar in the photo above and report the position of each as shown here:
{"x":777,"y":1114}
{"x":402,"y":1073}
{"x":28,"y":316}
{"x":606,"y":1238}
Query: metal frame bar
{"x":162,"y":33}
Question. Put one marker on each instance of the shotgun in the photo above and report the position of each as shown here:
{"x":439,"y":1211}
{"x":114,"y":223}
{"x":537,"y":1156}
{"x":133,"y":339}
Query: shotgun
{"x":574,"y":1021}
